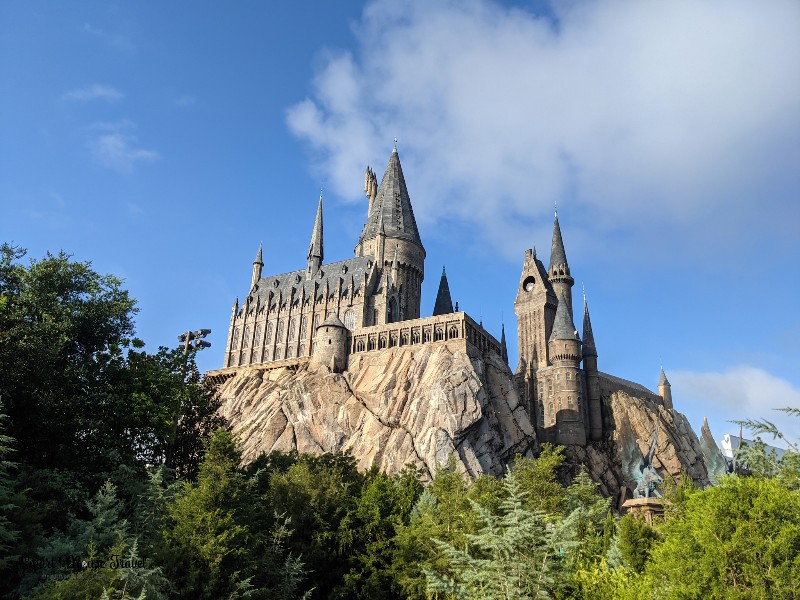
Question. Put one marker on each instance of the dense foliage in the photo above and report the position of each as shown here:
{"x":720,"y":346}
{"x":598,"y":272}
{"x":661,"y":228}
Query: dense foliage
{"x":89,"y":509}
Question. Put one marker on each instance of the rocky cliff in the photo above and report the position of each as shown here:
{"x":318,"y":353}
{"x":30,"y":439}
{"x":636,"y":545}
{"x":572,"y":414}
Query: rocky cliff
{"x":420,"y":406}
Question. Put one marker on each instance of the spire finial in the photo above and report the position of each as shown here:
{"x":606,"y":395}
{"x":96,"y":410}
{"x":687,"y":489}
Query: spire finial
{"x":555,"y":206}
{"x":395,"y":145}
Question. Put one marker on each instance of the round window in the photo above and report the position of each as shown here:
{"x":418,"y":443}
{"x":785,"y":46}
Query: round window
{"x":528,"y":284}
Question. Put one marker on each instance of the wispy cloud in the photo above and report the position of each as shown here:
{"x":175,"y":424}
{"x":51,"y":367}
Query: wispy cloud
{"x":739,"y":392}
{"x":114,"y":40}
{"x":97,"y":91}
{"x":116,"y":147}
{"x":643,"y":114}
{"x":185,"y":100}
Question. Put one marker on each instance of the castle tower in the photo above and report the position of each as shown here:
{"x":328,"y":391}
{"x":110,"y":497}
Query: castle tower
{"x":315,"y":250}
{"x":258,"y":265}
{"x":595,"y":413}
{"x":566,"y":404}
{"x":665,"y":389}
{"x":503,"y":346}
{"x":330,"y":348}
{"x":444,"y":303}
{"x":391,"y":223}
{"x":558,"y":272}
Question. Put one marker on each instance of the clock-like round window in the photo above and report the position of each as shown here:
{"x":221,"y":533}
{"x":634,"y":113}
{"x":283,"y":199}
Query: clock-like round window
{"x":528,"y":284}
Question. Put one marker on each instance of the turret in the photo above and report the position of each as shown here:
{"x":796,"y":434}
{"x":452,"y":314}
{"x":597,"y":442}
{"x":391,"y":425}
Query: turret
{"x":315,"y":249}
{"x":391,"y":226}
{"x":258,"y":265}
{"x":330,"y":346}
{"x":595,"y":413}
{"x":444,"y":303}
{"x":567,"y":401}
{"x":558,"y":272}
{"x":503,"y":346}
{"x":665,"y":389}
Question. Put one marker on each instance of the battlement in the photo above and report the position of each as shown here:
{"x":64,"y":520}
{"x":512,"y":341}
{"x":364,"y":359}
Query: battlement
{"x":440,"y":328}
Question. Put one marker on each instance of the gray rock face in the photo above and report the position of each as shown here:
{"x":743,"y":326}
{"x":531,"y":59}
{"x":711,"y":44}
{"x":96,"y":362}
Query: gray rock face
{"x":389,"y":409}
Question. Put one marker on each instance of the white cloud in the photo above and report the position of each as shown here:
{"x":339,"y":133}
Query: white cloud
{"x":115,"y":146}
{"x":645,"y":113}
{"x":114,"y":40}
{"x":740,"y":392}
{"x":97,"y":91}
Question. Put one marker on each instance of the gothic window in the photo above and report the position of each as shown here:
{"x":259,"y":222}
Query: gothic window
{"x":292,"y":329}
{"x":303,"y":327}
{"x":235,"y":343}
{"x":360,"y":346}
{"x":375,"y":317}
{"x":290,"y":352}
{"x":403,"y":338}
{"x":259,"y":331}
{"x":278,"y":353}
{"x":426,"y":336}
{"x":393,"y":340}
{"x":371,"y":344}
{"x":302,"y":351}
{"x":268,"y":354}
{"x":280,"y":332}
{"x":269,"y":333}
{"x":350,"y":319}
{"x":415,"y":337}
{"x":394,"y":311}
{"x":316,"y":324}
{"x":246,"y":341}
{"x":439,"y":334}
{"x":453,"y":333}
{"x":381,"y":343}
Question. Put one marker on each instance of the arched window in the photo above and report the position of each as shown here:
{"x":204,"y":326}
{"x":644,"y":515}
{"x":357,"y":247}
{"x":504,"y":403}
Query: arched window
{"x":381,"y":343}
{"x":246,"y":341}
{"x":303,"y":327}
{"x":278,"y":353}
{"x":415,"y":337}
{"x":292,"y":329}
{"x":259,"y":331}
{"x":279,"y":337}
{"x":426,"y":336}
{"x":290,"y":352}
{"x":235,"y":344}
{"x":360,"y":346}
{"x":453,"y":333}
{"x":403,"y":338}
{"x":269,"y":333}
{"x":394,"y":311}
{"x":438,"y":334}
{"x":316,"y":324}
{"x":302,"y":351}
{"x":350,"y":319}
{"x":371,"y":344}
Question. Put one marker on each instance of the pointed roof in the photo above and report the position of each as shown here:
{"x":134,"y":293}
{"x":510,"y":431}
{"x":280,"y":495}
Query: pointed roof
{"x":557,"y":254}
{"x":662,"y":380}
{"x":503,"y":346}
{"x":315,"y":248}
{"x":563,"y":326}
{"x":444,"y":304}
{"x":259,"y":260}
{"x":589,"y":349}
{"x":333,"y":321}
{"x":392,"y":206}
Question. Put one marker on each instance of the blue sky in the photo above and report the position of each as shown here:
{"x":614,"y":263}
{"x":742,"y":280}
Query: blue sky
{"x":164,"y":141}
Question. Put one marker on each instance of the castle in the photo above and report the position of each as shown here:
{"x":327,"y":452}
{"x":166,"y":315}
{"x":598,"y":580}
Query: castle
{"x":329,"y":315}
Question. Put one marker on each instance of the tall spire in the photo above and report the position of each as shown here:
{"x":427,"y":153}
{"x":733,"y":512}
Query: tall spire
{"x":258,"y":265}
{"x":392,"y":204}
{"x":558,"y":256}
{"x":444,"y":304}
{"x":589,"y":348}
{"x":503,"y":346}
{"x":315,"y":250}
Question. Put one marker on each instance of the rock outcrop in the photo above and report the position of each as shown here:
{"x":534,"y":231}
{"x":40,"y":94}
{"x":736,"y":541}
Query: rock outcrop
{"x":389,"y":409}
{"x":422,"y":405}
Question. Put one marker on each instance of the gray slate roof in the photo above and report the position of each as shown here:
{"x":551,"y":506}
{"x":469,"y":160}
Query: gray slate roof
{"x":557,"y":254}
{"x":392,"y":206}
{"x":589,"y":349}
{"x":315,"y":247}
{"x":329,"y":274}
{"x":563,"y":326}
{"x":662,"y":380}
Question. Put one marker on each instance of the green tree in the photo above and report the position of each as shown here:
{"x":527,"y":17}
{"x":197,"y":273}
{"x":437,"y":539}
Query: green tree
{"x":636,"y":539}
{"x":740,"y":539}
{"x":510,"y":555}
{"x":539,"y":479}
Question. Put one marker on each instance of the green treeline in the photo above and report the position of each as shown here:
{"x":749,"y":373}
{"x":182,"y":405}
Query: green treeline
{"x":89,"y":507}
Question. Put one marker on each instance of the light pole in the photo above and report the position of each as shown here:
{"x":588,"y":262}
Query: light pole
{"x":191,"y":340}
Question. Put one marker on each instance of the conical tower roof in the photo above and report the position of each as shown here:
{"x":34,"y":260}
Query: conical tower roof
{"x":259,"y":258}
{"x":315,"y":249}
{"x":393,"y":205}
{"x":563,"y":326}
{"x":444,"y":303}
{"x":589,"y":349}
{"x":558,"y":255}
{"x":662,"y":380}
